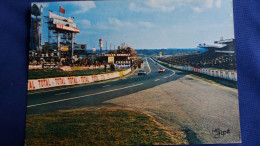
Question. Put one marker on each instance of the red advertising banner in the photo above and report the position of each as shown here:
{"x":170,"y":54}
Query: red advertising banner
{"x":59,"y":26}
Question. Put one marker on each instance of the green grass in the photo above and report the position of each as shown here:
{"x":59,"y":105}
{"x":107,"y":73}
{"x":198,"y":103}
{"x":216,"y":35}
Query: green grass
{"x":96,"y":127}
{"x":50,"y":73}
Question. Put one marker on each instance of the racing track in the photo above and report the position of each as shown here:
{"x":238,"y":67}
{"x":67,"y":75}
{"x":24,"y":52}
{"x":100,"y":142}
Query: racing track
{"x":96,"y":94}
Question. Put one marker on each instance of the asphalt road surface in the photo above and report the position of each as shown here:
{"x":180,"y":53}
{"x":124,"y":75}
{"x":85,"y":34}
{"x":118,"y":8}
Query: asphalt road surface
{"x":97,"y":94}
{"x":206,"y":112}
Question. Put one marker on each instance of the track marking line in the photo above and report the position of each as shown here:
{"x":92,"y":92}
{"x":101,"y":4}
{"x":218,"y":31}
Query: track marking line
{"x":61,"y":93}
{"x":106,"y":86}
{"x":56,"y":101}
{"x":156,"y":80}
{"x":148,"y":66}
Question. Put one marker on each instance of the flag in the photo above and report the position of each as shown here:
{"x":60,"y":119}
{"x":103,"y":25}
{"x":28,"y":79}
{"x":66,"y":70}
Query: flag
{"x":62,"y":10}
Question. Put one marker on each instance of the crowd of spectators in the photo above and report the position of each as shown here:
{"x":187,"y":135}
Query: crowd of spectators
{"x":208,"y":59}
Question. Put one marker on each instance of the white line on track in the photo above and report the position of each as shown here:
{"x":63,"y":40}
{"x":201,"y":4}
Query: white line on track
{"x":156,"y":80}
{"x":62,"y":93}
{"x":56,"y":101}
{"x":106,"y":86}
{"x":148,"y":65}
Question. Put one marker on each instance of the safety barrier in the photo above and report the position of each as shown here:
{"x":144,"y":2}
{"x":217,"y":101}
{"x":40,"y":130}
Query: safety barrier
{"x":229,"y":75}
{"x":63,"y":81}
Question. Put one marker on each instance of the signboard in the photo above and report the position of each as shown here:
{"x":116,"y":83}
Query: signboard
{"x":122,"y":66}
{"x":117,"y":54}
{"x":59,"y":26}
{"x":123,"y":62}
{"x":79,"y":46}
{"x":57,"y":21}
{"x":64,"y":48}
{"x":83,"y":46}
{"x":110,"y":59}
{"x":55,"y":16}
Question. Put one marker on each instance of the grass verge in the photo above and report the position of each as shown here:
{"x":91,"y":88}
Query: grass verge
{"x":50,"y":73}
{"x":95,"y":127}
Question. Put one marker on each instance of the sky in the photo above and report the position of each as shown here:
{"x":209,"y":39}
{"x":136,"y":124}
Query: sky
{"x":147,"y":24}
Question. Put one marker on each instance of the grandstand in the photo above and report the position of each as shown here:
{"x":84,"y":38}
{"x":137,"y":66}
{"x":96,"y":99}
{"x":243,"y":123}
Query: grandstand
{"x":216,"y":57}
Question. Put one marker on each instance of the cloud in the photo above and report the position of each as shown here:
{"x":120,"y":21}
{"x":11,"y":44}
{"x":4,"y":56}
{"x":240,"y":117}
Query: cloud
{"x":153,"y":6}
{"x":163,"y":5}
{"x":145,"y":24}
{"x":208,"y":3}
{"x":196,"y":9}
{"x":116,"y":24}
{"x":85,"y":23}
{"x":171,"y":5}
{"x":135,"y":8}
{"x":84,"y":6}
{"x":218,"y":3}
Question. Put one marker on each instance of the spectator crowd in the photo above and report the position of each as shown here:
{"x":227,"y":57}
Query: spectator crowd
{"x":208,"y":59}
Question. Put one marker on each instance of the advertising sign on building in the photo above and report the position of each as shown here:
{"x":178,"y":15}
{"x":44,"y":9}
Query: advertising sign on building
{"x":117,"y":54}
{"x":59,"y":26}
{"x":64,"y":48}
{"x":110,"y":59}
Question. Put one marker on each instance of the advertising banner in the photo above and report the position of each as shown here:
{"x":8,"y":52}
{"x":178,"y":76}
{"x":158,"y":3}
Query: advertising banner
{"x":64,"y":48}
{"x":59,"y":26}
{"x":110,"y":60}
{"x":62,"y":81}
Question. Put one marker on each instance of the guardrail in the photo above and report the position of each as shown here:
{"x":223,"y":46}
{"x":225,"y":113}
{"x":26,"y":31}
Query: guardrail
{"x":64,"y":81}
{"x":210,"y":72}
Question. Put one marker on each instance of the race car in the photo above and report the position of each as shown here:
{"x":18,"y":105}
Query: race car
{"x":141,"y":72}
{"x":161,"y":70}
